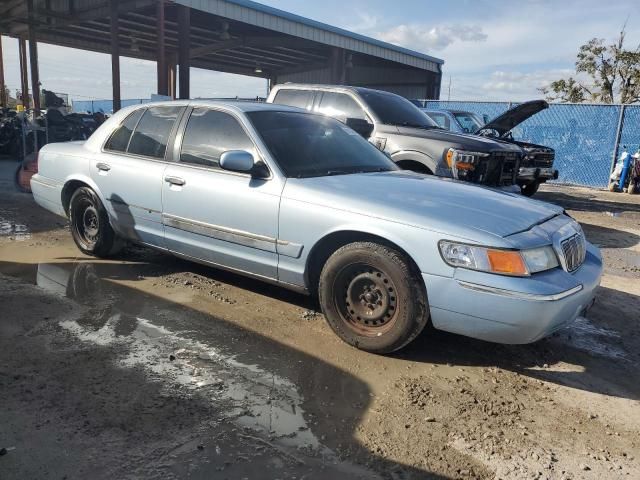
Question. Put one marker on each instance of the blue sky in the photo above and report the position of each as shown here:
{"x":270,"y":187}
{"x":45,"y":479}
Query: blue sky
{"x":493,"y":50}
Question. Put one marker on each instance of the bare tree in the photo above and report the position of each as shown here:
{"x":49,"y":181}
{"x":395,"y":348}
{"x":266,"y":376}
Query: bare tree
{"x":613,"y":73}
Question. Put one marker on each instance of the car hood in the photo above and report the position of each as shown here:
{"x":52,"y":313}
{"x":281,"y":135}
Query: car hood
{"x":444,"y":205}
{"x":515,"y":116}
{"x":458,"y":140}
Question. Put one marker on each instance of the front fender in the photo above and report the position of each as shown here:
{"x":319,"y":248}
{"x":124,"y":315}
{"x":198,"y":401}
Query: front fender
{"x":415,"y":156}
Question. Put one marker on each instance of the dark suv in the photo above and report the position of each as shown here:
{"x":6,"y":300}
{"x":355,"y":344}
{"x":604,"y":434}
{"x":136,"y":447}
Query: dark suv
{"x":537,"y":164}
{"x":412,"y":140}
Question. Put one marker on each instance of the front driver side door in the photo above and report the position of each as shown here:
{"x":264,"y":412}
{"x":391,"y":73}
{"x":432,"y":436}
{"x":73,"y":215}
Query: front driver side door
{"x":224,"y":218}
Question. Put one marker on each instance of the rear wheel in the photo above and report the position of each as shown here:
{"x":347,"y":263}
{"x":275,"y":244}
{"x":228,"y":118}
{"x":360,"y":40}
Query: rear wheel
{"x":529,"y":189}
{"x":372,"y":297}
{"x":90,"y":225}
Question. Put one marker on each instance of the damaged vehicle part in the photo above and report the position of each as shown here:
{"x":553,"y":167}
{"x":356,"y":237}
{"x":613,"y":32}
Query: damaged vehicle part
{"x":536,"y":166}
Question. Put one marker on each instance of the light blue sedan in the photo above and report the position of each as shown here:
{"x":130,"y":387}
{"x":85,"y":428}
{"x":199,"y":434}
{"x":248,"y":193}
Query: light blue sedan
{"x":303,"y":201}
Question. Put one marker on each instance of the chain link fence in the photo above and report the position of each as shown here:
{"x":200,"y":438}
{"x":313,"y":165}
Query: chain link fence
{"x":587,"y":138}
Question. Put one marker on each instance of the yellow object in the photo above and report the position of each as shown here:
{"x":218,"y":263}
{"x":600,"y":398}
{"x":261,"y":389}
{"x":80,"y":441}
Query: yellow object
{"x":510,"y":263}
{"x":19,"y":108}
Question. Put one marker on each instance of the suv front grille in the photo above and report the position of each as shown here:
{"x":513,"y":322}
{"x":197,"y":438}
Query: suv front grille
{"x":574,"y":250}
{"x":543,"y":160}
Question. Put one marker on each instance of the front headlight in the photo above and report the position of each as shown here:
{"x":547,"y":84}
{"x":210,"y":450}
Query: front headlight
{"x":540,"y":259}
{"x":519,"y":263}
{"x":461,"y":162}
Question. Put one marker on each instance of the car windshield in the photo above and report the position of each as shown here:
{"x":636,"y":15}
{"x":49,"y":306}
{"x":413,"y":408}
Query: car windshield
{"x":470,"y":122}
{"x":392,"y":109}
{"x":308,"y":145}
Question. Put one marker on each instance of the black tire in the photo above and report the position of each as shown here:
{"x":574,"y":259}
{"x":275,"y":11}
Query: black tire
{"x":90,"y":225}
{"x":372,"y":297}
{"x":530,"y":189}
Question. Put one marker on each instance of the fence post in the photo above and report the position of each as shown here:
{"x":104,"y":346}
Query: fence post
{"x":616,"y":145}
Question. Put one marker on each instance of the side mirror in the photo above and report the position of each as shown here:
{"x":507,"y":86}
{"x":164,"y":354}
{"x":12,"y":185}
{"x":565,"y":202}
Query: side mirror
{"x":237,"y":161}
{"x":361,"y":126}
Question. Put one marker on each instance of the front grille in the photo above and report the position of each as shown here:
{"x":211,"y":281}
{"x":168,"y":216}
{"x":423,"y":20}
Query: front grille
{"x":543,"y":160}
{"x":574,"y":250}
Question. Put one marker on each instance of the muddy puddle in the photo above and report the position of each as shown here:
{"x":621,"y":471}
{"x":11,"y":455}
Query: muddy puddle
{"x":277,"y":396}
{"x":10,"y":228}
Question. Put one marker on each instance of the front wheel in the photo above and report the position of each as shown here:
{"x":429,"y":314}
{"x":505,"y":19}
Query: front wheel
{"x":90,"y":225}
{"x":372,"y":297}
{"x":529,"y":189}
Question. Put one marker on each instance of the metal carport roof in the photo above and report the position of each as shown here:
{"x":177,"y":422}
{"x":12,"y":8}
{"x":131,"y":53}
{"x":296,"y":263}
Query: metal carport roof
{"x":235,"y":36}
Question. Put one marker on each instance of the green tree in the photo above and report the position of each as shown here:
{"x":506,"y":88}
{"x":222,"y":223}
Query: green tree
{"x":612,"y":73}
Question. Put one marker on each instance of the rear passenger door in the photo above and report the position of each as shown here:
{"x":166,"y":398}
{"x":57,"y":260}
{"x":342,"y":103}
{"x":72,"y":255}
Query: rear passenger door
{"x":225,"y":218}
{"x":129,"y":172}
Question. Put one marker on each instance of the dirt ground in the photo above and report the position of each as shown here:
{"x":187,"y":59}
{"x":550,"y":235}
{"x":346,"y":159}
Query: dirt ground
{"x":148,"y":366}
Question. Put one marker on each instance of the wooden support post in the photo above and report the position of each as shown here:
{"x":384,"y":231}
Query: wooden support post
{"x":184,"y":27}
{"x":163,"y":79}
{"x":3,"y":88}
{"x":33,"y":58}
{"x":24,"y":76}
{"x":115,"y":56}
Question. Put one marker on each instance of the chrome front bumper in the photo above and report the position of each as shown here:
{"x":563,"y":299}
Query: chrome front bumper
{"x":513,"y":310}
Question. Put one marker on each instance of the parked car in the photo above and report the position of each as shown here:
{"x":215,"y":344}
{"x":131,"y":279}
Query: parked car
{"x":536,"y":166}
{"x":412,"y":140}
{"x":303,"y":201}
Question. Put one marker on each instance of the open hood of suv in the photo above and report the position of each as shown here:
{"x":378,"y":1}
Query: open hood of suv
{"x":515,"y":116}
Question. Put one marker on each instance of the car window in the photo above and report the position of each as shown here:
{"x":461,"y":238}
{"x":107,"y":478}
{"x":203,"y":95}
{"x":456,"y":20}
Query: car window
{"x":119,"y":139}
{"x":441,"y":119}
{"x":341,"y":106}
{"x":209,"y":134}
{"x":393,"y":109}
{"x":468,"y":122}
{"x":152,"y":133}
{"x":308,"y":145}
{"x":294,"y":98}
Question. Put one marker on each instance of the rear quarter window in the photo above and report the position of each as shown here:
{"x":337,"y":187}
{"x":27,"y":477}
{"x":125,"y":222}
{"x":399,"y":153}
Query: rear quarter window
{"x":152,"y":132}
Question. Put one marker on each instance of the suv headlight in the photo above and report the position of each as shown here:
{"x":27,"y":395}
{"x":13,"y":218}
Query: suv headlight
{"x":461,"y":162}
{"x":521,"y":263}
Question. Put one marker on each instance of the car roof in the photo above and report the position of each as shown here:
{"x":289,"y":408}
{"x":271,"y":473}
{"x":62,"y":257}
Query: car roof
{"x":237,"y":105}
{"x":324,"y":87}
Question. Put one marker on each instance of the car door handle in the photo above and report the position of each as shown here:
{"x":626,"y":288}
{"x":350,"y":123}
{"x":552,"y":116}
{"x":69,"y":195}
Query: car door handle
{"x":105,"y":167}
{"x":174,"y":180}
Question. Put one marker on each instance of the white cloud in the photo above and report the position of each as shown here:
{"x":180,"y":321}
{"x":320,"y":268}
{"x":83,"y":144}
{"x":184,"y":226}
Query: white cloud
{"x":419,"y":37}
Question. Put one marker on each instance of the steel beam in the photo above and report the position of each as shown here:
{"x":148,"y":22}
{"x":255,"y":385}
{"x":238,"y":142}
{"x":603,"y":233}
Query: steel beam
{"x":3,"y":88}
{"x":115,"y":55}
{"x":161,"y":64}
{"x":33,"y":59}
{"x":184,"y":27}
{"x":171,"y":75}
{"x":22,"y":52}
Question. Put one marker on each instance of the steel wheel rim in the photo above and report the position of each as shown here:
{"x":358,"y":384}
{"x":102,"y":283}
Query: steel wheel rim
{"x":366,"y":299}
{"x":87,"y":222}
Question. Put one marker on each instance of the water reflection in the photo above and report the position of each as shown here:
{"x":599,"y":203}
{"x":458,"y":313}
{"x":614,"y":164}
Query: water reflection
{"x":252,"y":395}
{"x":17,"y":231}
